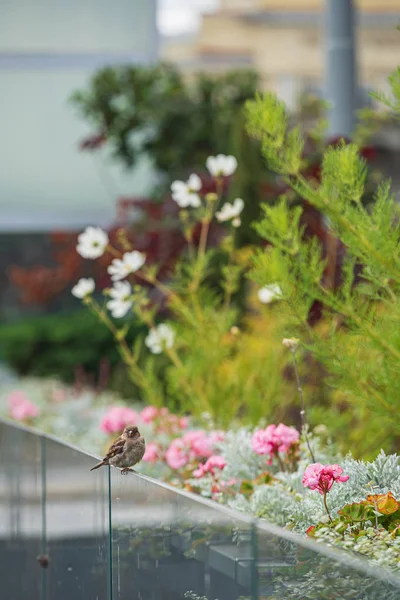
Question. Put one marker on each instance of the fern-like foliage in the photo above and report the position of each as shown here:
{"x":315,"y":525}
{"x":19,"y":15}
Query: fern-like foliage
{"x":360,"y":344}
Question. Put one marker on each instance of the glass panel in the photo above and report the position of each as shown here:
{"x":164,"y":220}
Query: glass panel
{"x":166,"y":544}
{"x":77,"y":522}
{"x":20,"y":513}
{"x":291,"y":567}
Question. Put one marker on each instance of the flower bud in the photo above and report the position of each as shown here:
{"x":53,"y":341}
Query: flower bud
{"x":211,"y":197}
{"x":291,"y":343}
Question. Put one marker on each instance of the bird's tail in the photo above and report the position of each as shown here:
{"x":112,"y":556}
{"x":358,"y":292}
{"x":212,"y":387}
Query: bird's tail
{"x":100,"y":464}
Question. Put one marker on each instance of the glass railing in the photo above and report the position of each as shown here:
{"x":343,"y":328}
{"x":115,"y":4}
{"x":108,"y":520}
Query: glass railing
{"x":69,"y":534}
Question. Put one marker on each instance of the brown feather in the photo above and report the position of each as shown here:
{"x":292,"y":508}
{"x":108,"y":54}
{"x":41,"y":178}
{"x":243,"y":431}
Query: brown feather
{"x":116,"y":447}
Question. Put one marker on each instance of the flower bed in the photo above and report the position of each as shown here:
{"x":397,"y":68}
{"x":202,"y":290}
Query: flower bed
{"x":266,"y":472}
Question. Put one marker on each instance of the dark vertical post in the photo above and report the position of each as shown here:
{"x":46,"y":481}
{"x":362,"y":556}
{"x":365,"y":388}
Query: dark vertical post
{"x":341,"y":84}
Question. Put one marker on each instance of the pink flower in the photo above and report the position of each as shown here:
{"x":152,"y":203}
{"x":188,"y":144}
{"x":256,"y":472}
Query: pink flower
{"x":118,"y":417}
{"x":214,"y":462}
{"x":176,"y":455}
{"x":183,"y":422}
{"x":198,"y":444}
{"x":216,"y":436}
{"x":321,"y":478}
{"x":149,"y":413}
{"x":200,"y":471}
{"x":260,"y":442}
{"x":274,"y":439}
{"x":285,"y":436}
{"x":152,"y":453}
{"x":20,"y":407}
{"x":16,"y":398}
{"x":194,"y":445}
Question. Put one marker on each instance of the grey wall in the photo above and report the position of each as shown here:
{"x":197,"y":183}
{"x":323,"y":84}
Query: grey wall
{"x":48,"y":49}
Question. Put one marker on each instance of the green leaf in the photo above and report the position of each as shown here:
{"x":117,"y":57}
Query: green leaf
{"x":357,"y":512}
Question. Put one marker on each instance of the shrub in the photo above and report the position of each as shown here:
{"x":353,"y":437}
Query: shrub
{"x":70,"y":346}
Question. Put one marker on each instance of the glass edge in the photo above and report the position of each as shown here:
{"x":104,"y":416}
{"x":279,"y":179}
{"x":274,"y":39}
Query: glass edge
{"x":340,"y":556}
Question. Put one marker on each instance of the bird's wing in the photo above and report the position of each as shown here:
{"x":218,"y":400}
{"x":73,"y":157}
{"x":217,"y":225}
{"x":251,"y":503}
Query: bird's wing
{"x":116,"y":447}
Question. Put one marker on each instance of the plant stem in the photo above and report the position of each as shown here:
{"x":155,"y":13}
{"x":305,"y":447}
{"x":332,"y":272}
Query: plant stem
{"x":304,"y":425}
{"x":280,"y":461}
{"x":326,"y":508}
{"x":205,"y":226}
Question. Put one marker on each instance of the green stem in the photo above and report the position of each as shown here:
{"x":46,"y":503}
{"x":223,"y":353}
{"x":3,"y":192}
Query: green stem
{"x":326,"y":508}
{"x":280,"y":461}
{"x":304,"y":425}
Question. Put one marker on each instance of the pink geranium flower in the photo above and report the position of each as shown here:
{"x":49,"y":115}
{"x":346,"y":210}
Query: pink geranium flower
{"x":117,"y":418}
{"x":274,"y":439}
{"x":198,"y":443}
{"x":16,"y":397}
{"x":152,"y":453}
{"x":149,"y":413}
{"x":194,"y":445}
{"x":321,"y":478}
{"x":176,"y":455}
{"x":20,"y":407}
{"x":214,"y":462}
{"x":216,"y":436}
{"x":183,"y":422}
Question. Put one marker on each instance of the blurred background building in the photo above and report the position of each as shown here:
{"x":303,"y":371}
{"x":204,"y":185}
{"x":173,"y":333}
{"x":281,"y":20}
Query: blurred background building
{"x":284,"y":41}
{"x":47,"y":51}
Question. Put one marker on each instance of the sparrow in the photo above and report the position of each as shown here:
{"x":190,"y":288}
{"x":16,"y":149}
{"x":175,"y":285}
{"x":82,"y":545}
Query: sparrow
{"x":126,"y":451}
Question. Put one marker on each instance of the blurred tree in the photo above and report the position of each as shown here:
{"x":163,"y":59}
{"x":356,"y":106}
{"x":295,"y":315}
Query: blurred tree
{"x":153,"y":111}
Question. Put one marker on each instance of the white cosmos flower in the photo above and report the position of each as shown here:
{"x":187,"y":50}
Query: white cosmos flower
{"x":221,"y":165}
{"x":230,"y":211}
{"x":160,"y":337}
{"x":269,"y":293}
{"x":92,"y":242}
{"x":130,"y":263}
{"x":83,"y":288}
{"x":185,"y":193}
{"x":121,"y":299}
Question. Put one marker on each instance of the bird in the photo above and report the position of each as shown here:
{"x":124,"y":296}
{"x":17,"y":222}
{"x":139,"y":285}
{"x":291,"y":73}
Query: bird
{"x":126,"y":451}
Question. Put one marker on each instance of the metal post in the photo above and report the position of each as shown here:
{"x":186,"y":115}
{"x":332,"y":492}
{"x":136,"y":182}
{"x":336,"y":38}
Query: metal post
{"x":341,"y":85}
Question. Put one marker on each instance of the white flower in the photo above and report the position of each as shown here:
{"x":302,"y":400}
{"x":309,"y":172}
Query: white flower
{"x":269,"y":293}
{"x":130,"y":263}
{"x":83,"y":288}
{"x":121,"y":299}
{"x":160,"y":337}
{"x":291,"y":343}
{"x":92,"y":242}
{"x":230,"y":211}
{"x":236,"y":222}
{"x":185,"y":192}
{"x":221,"y":165}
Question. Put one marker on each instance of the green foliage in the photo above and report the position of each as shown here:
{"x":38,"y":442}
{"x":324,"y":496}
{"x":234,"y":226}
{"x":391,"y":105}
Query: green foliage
{"x":358,"y":341}
{"x":391,"y":102}
{"x":268,"y":121}
{"x":55,"y":345}
{"x":177,"y":124}
{"x":217,"y":359}
{"x":154,"y":111}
